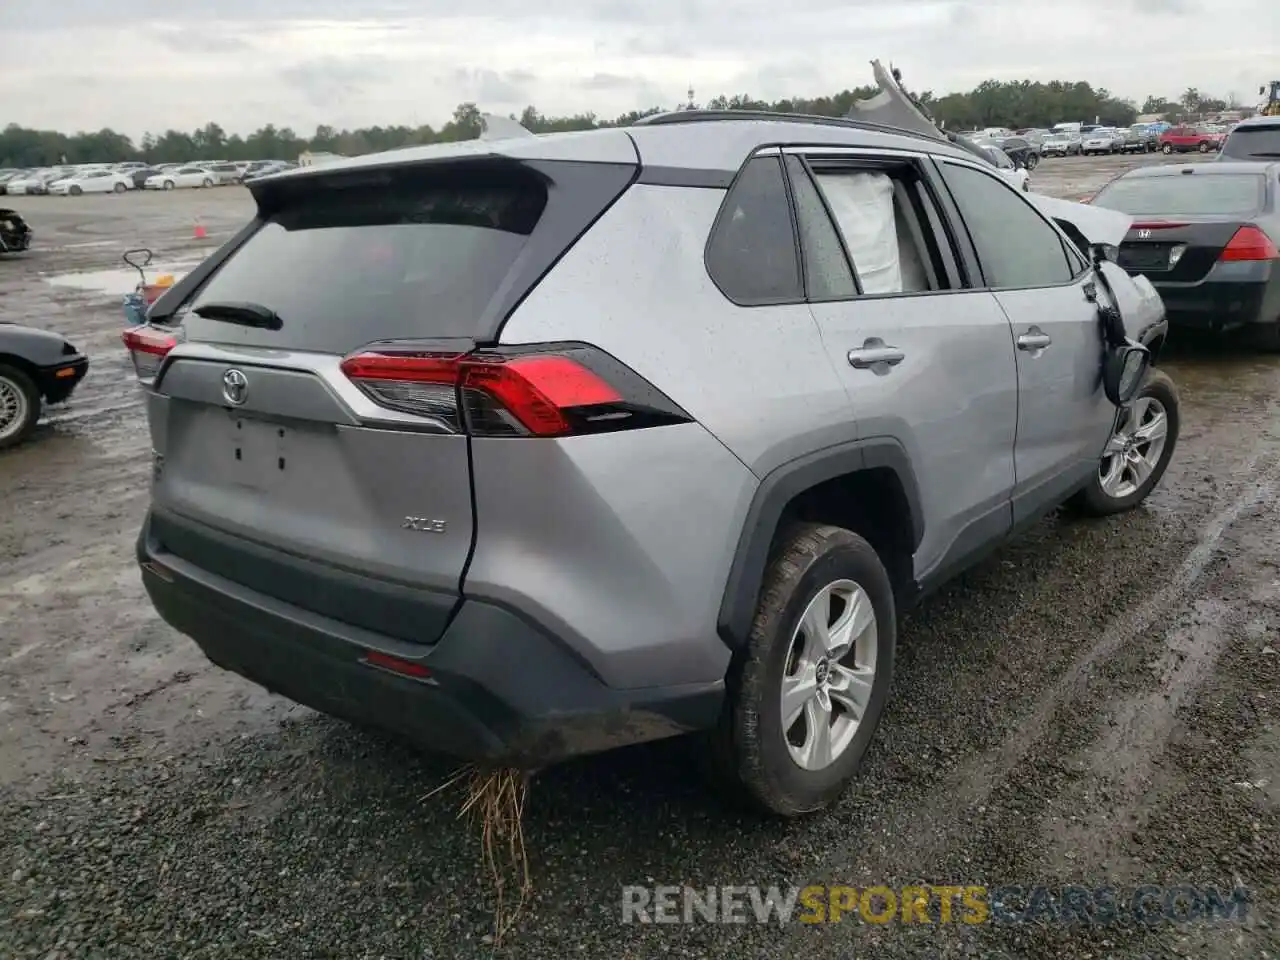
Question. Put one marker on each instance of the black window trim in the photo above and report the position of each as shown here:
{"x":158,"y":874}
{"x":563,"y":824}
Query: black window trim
{"x":844,"y":249}
{"x":1074,"y":280}
{"x":824,"y":158}
{"x":763,"y":152}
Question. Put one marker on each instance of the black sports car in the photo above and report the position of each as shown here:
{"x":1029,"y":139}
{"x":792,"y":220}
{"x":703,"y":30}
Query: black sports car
{"x":15,"y":235}
{"x":36,"y":367}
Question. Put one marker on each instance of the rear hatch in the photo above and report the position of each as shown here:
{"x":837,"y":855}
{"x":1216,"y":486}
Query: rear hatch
{"x":277,"y":471}
{"x":1183,"y":222}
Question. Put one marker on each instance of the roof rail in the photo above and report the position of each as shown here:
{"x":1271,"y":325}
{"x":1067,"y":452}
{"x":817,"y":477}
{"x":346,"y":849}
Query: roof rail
{"x":700,"y":116}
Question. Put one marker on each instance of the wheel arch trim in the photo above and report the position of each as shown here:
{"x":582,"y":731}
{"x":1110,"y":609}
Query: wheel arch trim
{"x":776,"y":490}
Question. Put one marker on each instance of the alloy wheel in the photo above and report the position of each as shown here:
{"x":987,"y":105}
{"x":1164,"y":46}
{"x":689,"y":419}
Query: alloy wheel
{"x":829,"y":674}
{"x":1134,"y":450}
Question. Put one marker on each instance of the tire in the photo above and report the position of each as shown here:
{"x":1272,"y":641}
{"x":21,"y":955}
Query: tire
{"x":208,"y":182}
{"x":74,"y":190}
{"x":752,"y":755}
{"x":1032,"y":162}
{"x":169,"y":184}
{"x":1204,"y":147}
{"x":119,"y":188}
{"x":1167,"y":149}
{"x":19,"y":406}
{"x":1100,"y":499}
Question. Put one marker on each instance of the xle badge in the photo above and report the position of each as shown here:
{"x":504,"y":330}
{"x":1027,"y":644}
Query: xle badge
{"x":424,"y":525}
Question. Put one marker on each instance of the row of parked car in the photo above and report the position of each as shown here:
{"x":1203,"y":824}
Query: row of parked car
{"x":1091,"y":140}
{"x":73,"y":180}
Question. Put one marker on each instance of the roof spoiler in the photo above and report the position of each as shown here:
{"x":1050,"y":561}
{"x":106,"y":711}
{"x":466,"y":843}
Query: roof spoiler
{"x":494,"y":127}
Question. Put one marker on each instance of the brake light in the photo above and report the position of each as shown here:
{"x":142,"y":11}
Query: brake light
{"x":1250,"y":243}
{"x":531,"y":393}
{"x":1155,"y":225}
{"x":148,"y":346}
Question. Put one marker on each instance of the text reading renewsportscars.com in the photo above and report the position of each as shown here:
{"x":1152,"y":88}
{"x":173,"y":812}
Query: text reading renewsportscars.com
{"x":925,"y":904}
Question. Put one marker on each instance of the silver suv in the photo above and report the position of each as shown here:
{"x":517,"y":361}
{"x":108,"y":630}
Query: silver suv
{"x":536,"y":447}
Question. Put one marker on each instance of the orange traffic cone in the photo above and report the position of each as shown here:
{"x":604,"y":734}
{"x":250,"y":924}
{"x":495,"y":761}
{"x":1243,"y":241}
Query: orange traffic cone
{"x":200,"y":233}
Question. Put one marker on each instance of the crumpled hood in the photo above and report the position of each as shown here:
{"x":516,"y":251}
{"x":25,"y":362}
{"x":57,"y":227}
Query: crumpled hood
{"x":1098,"y":224}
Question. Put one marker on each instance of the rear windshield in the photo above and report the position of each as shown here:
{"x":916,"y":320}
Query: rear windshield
{"x":1213,"y":194}
{"x":411,"y":258}
{"x":1247,"y":142}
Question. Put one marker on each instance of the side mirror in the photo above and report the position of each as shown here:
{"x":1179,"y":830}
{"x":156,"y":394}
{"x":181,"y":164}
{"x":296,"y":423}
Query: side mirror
{"x":1123,"y":371}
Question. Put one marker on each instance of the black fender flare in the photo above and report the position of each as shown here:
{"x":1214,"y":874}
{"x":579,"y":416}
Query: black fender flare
{"x":777,"y":489}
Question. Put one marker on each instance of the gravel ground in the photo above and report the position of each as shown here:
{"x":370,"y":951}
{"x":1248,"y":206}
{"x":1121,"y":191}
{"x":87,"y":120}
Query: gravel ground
{"x":1099,"y":703}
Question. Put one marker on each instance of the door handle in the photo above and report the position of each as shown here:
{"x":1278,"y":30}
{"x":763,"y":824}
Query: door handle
{"x":1034,"y":339}
{"x":875,"y":351}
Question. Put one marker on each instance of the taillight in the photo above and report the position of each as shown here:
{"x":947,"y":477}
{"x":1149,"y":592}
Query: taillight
{"x":532,"y":392}
{"x":1250,"y":243}
{"x":148,"y":346}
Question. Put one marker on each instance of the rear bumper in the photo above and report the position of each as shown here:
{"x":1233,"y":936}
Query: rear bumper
{"x":1220,"y":303}
{"x":500,"y":690}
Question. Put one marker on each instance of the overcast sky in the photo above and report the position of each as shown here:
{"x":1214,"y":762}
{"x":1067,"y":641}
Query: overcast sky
{"x":138,"y":65}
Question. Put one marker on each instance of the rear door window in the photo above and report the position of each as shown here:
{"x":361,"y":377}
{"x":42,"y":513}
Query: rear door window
{"x":752,"y":254}
{"x":416,"y":257}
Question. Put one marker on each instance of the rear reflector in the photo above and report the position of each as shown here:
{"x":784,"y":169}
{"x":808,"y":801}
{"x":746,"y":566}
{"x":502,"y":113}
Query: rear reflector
{"x":148,"y":346}
{"x":1250,"y":243}
{"x":406,"y":668}
{"x":531,"y":393}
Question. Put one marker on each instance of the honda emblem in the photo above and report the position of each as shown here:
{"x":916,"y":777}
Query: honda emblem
{"x":1144,"y":234}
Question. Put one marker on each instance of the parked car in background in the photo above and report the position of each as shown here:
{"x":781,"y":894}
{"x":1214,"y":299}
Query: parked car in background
{"x":224,"y":173}
{"x":138,"y":178}
{"x":1016,"y":175}
{"x":179,"y":178}
{"x":1021,"y":151}
{"x":35,"y":183}
{"x":1257,"y":138}
{"x":1148,"y":134}
{"x":95,"y":181}
{"x":1188,"y":139}
{"x":1207,"y":236}
{"x":1099,"y":141}
{"x":263,"y":168}
{"x":1060,"y":145}
{"x":1131,"y":141}
{"x":15,"y":235}
{"x":37,"y":367}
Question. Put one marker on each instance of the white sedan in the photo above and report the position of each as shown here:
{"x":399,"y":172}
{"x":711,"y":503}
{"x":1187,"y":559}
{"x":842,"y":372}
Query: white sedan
{"x":1016,"y":175}
{"x":181,"y":177}
{"x":94,"y":181}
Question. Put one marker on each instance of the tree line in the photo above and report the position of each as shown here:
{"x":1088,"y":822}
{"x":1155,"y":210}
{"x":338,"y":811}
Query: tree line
{"x":1013,"y":104}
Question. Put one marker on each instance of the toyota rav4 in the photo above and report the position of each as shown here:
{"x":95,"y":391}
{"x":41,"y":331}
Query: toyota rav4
{"x":534,"y":447}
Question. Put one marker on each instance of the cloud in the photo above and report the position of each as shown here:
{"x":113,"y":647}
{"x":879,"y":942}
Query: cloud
{"x":140,"y":65}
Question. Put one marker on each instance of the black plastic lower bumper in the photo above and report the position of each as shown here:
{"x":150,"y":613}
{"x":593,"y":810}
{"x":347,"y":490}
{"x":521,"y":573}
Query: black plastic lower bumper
{"x":500,"y":690}
{"x":1220,"y":306}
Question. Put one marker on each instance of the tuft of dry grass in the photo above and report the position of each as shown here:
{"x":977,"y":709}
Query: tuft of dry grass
{"x":493,"y":802}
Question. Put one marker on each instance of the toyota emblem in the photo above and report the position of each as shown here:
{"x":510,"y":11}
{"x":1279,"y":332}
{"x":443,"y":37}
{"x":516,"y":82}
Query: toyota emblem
{"x":235,"y":387}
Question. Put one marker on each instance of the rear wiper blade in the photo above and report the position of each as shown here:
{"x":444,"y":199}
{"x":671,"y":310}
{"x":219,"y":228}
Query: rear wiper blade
{"x":244,"y":313}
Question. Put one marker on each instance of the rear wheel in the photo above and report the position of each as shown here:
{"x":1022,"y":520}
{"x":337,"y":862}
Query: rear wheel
{"x":806,"y":692}
{"x":168,"y":184}
{"x":19,"y":406}
{"x":1167,"y":149}
{"x":1138,"y":452}
{"x":1032,"y":161}
{"x":119,"y":188}
{"x":74,"y":190}
{"x":208,"y":182}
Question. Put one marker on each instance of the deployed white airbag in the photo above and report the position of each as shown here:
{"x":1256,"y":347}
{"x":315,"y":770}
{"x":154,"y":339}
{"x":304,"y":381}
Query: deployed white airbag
{"x":863,"y":207}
